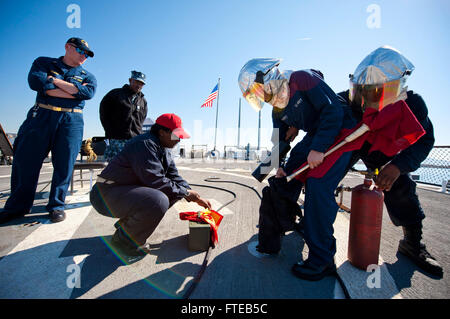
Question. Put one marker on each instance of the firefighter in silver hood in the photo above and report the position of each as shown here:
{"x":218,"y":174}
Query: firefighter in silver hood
{"x":301,"y":100}
{"x":379,"y":80}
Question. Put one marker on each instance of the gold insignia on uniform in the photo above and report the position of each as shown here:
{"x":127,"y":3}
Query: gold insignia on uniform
{"x":85,"y":43}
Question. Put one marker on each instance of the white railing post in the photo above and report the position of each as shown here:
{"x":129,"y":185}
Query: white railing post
{"x":444,"y":186}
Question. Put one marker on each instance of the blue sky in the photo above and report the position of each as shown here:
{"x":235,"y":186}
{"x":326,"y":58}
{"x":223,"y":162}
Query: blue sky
{"x":185,"y":46}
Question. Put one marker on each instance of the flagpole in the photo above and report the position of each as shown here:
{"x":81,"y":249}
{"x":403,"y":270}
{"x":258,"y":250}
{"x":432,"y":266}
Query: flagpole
{"x":239,"y":125}
{"x":259,"y":129}
{"x":217,"y":113}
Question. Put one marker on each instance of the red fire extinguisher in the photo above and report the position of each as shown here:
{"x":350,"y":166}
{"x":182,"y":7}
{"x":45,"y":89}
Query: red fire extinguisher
{"x":365,"y":224}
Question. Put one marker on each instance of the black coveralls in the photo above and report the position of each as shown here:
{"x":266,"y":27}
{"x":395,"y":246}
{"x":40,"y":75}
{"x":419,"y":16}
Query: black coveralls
{"x":145,"y":184}
{"x":401,"y":201}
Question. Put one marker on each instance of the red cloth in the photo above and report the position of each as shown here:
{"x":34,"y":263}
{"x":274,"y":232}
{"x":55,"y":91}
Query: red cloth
{"x":211,"y":217}
{"x":392,"y":130}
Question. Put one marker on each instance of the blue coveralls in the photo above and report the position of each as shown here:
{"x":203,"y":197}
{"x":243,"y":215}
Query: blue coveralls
{"x":315,"y":109}
{"x":142,"y":183}
{"x":402,"y":201}
{"x":46,"y":130}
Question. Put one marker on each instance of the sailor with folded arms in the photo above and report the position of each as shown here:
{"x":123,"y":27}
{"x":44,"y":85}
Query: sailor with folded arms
{"x":54,"y":123}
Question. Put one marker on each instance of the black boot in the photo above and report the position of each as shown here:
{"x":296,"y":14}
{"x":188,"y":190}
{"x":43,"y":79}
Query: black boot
{"x":411,"y":246}
{"x":307,"y":271}
{"x":121,"y":240}
{"x":7,"y":216}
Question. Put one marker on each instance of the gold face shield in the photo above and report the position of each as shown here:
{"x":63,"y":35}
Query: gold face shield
{"x":375,"y":96}
{"x":255,"y":96}
{"x":254,"y":79}
{"x":380,"y":79}
{"x":275,"y":92}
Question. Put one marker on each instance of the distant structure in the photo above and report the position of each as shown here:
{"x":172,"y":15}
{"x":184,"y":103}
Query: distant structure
{"x":147,"y":125}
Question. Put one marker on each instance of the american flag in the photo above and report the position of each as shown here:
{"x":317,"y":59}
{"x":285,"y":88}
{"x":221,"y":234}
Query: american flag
{"x":211,"y":97}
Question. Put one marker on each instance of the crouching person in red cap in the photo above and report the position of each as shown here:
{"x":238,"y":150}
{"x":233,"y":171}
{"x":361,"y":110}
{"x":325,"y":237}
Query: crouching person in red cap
{"x":141,"y":183}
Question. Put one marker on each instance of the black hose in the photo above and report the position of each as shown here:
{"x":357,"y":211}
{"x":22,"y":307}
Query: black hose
{"x":199,"y":275}
{"x":219,"y":188}
{"x":344,"y":288}
{"x":210,"y":179}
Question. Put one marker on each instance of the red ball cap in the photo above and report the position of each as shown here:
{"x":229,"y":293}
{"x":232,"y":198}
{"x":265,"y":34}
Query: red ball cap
{"x":173,"y":123}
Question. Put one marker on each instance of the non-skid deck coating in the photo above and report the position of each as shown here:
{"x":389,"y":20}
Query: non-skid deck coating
{"x":75,"y":258}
